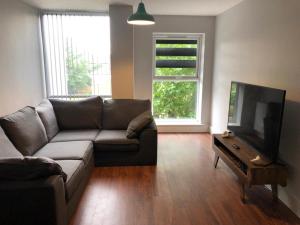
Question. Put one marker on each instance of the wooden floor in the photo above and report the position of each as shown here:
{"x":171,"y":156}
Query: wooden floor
{"x":183,"y":189}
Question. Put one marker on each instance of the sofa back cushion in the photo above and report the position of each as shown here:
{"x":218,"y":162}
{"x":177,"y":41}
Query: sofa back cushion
{"x":7,"y":149}
{"x":83,"y":114}
{"x":47,"y":115}
{"x":25,"y":130}
{"x":117,"y":113}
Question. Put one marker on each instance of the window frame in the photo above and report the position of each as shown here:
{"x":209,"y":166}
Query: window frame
{"x":45,"y":58}
{"x":198,"y":78}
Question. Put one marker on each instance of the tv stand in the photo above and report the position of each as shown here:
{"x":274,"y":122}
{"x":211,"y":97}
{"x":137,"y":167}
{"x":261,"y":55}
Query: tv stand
{"x":240,"y":161}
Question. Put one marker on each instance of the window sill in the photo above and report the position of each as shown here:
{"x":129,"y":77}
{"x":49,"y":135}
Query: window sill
{"x":181,"y":126}
{"x":167,"y":122}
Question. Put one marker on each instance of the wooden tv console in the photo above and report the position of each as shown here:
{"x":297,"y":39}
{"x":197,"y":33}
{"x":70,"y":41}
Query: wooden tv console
{"x":239,"y":161}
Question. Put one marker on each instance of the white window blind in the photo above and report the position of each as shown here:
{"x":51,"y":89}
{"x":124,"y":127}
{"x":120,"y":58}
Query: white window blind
{"x":76,"y":55}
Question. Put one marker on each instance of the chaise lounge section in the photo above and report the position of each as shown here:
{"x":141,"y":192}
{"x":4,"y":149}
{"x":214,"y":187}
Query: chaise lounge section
{"x":77,"y":135}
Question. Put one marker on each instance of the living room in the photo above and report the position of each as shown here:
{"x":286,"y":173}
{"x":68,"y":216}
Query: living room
{"x":142,"y":122}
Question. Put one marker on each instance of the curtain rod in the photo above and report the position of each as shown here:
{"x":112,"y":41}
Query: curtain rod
{"x":74,"y":12}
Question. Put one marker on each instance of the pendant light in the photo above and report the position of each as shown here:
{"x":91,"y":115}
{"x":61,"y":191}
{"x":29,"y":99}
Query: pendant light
{"x":141,"y":17}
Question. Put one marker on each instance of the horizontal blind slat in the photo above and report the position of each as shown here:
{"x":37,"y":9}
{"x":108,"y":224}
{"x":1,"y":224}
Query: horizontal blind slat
{"x":175,"y":63}
{"x":176,"y":52}
{"x":172,"y":41}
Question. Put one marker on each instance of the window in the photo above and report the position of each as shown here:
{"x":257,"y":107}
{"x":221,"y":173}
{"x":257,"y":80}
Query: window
{"x":76,"y":55}
{"x":177,"y":68}
{"x":235,"y":104}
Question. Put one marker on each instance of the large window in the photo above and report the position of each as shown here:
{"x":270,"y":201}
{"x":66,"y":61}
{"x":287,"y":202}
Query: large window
{"x":76,"y":55}
{"x":177,"y":70}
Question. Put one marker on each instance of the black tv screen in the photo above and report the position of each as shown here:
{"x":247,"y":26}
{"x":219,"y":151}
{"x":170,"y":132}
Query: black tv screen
{"x":255,"y":116}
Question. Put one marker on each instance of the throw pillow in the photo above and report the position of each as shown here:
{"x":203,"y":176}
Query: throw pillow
{"x":138,"y":124}
{"x":7,"y":149}
{"x":25,"y":130}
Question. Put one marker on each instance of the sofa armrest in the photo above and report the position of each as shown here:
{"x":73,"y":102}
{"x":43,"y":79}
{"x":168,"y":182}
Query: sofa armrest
{"x":33,"y":202}
{"x":152,"y":126}
{"x":148,"y":144}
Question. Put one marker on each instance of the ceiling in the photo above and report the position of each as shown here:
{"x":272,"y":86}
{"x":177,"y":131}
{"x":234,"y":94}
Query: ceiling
{"x":158,"y":7}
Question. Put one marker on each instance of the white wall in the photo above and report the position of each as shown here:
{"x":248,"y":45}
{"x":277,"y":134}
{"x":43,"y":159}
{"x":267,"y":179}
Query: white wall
{"x":20,"y":59}
{"x":259,"y":42}
{"x":143,"y":53}
{"x":121,"y":51}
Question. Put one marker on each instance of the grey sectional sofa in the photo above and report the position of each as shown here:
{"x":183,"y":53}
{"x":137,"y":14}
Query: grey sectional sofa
{"x":77,"y":135}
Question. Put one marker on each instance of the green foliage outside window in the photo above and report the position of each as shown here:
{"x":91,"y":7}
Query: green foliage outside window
{"x":174,"y":99}
{"x":232,"y":103}
{"x":176,"y":45}
{"x":175,"y":71}
{"x":79,"y":72}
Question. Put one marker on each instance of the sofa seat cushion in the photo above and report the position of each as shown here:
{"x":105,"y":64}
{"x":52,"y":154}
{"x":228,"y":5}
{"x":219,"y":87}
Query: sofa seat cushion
{"x":73,"y":150}
{"x":25,"y":130}
{"x":115,"y":140}
{"x":7,"y":149}
{"x":75,"y":171}
{"x":47,"y":115}
{"x":75,"y":135}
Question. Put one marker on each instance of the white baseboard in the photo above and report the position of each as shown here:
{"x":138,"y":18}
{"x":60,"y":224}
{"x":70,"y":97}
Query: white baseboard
{"x":290,"y":200}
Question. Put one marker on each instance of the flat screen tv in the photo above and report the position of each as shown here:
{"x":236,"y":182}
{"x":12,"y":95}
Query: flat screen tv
{"x":255,"y":116}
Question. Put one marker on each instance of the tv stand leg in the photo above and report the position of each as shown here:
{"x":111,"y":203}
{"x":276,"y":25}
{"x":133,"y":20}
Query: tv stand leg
{"x":274,"y":188}
{"x":242,"y":192}
{"x":216,"y":160}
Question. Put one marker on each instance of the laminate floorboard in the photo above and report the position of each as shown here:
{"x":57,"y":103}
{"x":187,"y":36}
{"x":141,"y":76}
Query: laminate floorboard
{"x":183,"y":189}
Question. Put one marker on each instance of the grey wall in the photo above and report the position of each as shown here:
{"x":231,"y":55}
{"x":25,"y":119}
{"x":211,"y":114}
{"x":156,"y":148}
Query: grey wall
{"x":143,"y":53}
{"x":21,"y":79}
{"x":121,"y":51}
{"x":258,"y":42}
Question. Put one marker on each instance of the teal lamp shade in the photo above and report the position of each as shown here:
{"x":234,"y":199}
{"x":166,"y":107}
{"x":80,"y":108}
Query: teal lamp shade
{"x":141,"y":17}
